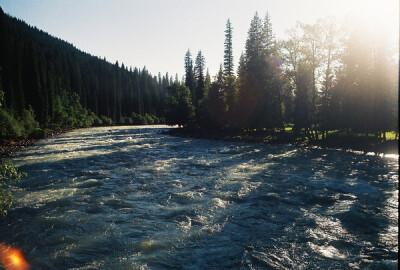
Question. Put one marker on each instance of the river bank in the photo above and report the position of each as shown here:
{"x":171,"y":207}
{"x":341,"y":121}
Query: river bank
{"x":364,"y":144}
{"x":7,"y":147}
{"x":345,"y":143}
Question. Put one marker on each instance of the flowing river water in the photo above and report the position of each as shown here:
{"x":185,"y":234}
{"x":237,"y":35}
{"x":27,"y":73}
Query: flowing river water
{"x":135,"y":198}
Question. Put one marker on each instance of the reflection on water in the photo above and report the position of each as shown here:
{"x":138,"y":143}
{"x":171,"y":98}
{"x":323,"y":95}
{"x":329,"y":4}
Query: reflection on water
{"x":131,"y":197}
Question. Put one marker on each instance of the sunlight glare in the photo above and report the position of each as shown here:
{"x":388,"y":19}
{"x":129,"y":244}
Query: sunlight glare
{"x":12,"y":258}
{"x":16,"y":260}
{"x":380,"y":16}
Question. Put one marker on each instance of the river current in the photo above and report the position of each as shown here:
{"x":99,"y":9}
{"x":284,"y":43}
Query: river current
{"x":135,"y":198}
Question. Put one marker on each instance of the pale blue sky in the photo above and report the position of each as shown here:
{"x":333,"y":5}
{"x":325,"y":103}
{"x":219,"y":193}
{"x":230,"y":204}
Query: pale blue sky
{"x":157,"y":33}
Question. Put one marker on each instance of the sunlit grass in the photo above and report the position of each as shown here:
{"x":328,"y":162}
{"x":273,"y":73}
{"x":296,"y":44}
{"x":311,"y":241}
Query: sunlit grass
{"x":390,"y":135}
{"x":288,"y":129}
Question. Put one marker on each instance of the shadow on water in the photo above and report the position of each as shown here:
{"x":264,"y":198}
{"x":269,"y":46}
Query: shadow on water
{"x":179,"y":202}
{"x":288,"y":222}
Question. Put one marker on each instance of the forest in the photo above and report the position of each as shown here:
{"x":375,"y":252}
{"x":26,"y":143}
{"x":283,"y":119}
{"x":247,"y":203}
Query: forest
{"x":47,"y":83}
{"x":136,"y":197}
{"x":322,"y":79}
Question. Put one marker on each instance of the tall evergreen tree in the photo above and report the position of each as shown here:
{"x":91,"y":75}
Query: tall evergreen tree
{"x":199,"y":77}
{"x":260,"y":89}
{"x":254,"y":42}
{"x":189,"y":75}
{"x":228,"y":53}
{"x":268,"y":37}
{"x":215,"y":104}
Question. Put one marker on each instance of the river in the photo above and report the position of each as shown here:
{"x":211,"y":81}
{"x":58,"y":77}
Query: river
{"x":135,"y":198}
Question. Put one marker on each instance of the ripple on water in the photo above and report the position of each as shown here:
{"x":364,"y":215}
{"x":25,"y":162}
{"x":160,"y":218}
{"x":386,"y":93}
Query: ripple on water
{"x":131,"y":198}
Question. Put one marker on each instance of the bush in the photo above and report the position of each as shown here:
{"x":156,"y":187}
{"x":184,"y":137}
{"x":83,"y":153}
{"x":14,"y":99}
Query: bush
{"x":37,"y":133}
{"x":10,"y":128}
{"x":128,"y":121}
{"x":107,"y":121}
{"x":149,"y":119}
{"x":137,"y":119}
{"x":28,"y":121}
{"x":8,"y":174}
{"x":95,"y":119}
{"x":125,"y":121}
{"x":156,"y":120}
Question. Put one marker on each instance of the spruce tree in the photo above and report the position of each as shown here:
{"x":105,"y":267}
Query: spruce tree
{"x":254,"y":46}
{"x":268,"y":37}
{"x":228,"y":54}
{"x":189,"y":75}
{"x":199,"y":77}
{"x":215,"y":104}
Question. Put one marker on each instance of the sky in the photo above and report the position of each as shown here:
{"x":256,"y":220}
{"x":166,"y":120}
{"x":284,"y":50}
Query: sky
{"x":157,"y":33}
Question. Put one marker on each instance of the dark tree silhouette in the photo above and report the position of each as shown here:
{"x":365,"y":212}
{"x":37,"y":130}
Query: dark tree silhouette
{"x":228,"y":52}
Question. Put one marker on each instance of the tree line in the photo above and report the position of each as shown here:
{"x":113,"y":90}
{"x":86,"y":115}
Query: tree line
{"x":321,"y":78}
{"x":48,"y":83}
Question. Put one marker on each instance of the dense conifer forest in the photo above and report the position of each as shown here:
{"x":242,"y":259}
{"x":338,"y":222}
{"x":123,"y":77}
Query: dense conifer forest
{"x":322,"y":79}
{"x":47,"y":83}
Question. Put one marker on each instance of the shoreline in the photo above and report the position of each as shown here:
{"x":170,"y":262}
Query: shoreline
{"x":7,"y":147}
{"x":346,"y":144}
{"x":386,"y":147}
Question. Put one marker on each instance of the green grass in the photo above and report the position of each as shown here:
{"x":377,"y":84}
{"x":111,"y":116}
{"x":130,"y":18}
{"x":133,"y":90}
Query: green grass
{"x":332,"y":134}
{"x":390,"y":135}
{"x":288,"y":128}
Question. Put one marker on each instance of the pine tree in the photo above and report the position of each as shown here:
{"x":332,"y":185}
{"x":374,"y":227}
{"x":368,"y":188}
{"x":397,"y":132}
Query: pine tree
{"x":230,"y":99}
{"x":228,"y":54}
{"x":189,"y":75}
{"x":207,"y":83}
{"x":199,"y":77}
{"x":254,"y":44}
{"x":252,"y":91}
{"x":268,"y":37}
{"x":259,"y":80}
{"x":215,"y":104}
{"x":180,"y":110}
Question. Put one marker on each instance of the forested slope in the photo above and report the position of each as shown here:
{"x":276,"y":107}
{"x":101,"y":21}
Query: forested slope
{"x":48,"y":83}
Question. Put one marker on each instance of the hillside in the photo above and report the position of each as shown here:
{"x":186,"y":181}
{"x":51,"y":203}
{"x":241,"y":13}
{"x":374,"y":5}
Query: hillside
{"x":56,"y":85}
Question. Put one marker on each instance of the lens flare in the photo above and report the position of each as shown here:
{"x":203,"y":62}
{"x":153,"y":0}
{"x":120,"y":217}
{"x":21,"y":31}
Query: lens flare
{"x":12,"y":258}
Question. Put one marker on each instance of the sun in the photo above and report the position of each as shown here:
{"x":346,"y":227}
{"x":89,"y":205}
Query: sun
{"x":380,"y":16}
